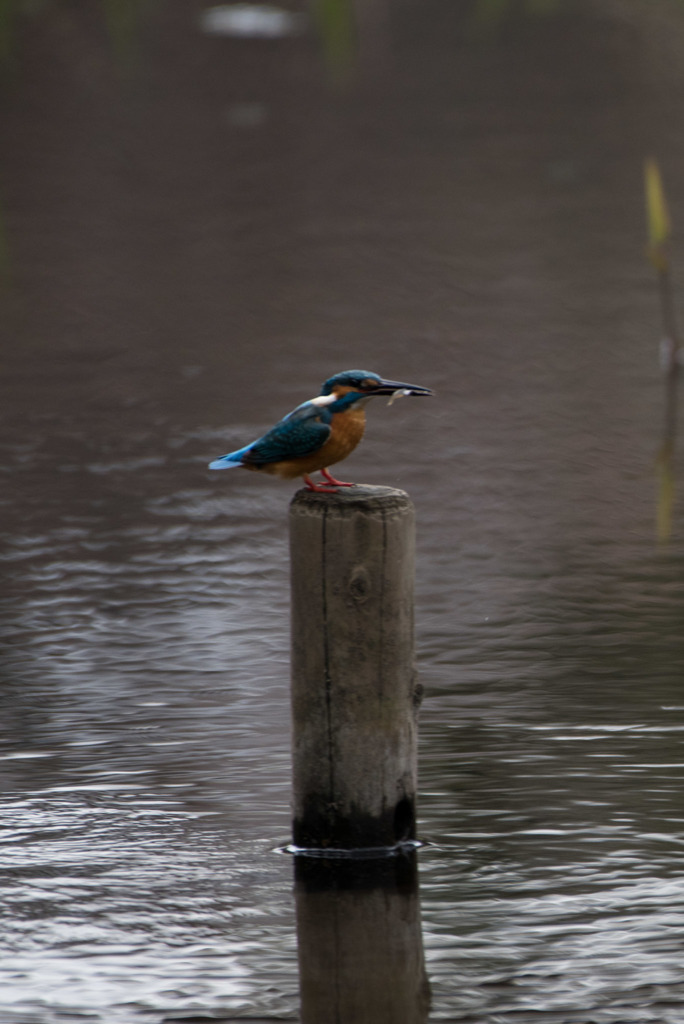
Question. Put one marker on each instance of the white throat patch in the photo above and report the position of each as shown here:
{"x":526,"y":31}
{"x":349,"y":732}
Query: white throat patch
{"x":323,"y":400}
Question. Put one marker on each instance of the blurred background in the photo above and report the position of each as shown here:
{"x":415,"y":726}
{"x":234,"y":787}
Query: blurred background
{"x":204,"y":213}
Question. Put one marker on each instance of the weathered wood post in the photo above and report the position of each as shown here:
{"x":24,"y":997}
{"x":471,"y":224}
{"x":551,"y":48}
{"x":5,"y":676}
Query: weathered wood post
{"x":354,"y":690}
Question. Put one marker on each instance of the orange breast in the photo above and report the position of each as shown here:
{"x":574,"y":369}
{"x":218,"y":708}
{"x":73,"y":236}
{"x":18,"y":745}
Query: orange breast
{"x":346,"y":431}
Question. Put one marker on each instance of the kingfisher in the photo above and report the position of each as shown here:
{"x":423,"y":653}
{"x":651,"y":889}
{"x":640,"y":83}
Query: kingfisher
{"x":320,"y":432}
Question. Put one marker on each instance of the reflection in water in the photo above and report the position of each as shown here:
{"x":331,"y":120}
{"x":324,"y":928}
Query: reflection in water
{"x":665,"y":459}
{"x":659,"y":230}
{"x":359,"y":941}
{"x":466,"y":214}
{"x":338,"y":31}
{"x":251,"y":21}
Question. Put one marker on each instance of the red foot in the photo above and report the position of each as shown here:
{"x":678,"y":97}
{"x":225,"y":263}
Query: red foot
{"x":331,"y":479}
{"x":319,"y":488}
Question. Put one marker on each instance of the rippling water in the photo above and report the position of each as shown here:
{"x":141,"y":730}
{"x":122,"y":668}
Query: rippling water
{"x":145,"y":759}
{"x":468,"y":218}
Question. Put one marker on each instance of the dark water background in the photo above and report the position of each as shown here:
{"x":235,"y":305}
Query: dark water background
{"x":198,"y":232}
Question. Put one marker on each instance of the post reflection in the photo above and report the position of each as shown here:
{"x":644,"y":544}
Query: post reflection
{"x":659,"y":233}
{"x":359,"y":941}
{"x":665,"y":459}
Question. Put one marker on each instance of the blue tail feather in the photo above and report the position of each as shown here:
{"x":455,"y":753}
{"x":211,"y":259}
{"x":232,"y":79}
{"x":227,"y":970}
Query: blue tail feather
{"x":224,"y":463}
{"x":231,"y":460}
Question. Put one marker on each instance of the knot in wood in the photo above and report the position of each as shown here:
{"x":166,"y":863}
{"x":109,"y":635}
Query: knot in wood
{"x":359,"y":584}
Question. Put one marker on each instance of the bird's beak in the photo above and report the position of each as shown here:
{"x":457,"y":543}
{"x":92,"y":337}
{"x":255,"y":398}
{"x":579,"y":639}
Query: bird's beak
{"x":391,"y":387}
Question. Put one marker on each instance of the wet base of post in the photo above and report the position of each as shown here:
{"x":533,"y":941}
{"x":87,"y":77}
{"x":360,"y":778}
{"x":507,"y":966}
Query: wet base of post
{"x":354,"y":690}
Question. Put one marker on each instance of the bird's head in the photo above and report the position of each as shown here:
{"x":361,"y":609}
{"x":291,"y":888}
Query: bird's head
{"x":352,"y":386}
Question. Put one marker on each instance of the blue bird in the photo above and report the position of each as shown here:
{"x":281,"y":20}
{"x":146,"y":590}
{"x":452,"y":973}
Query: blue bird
{"x":318,"y":433}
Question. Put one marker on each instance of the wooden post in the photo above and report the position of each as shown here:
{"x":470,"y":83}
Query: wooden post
{"x":354,"y":690}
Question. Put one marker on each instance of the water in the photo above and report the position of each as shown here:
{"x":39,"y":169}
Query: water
{"x":467,"y":216}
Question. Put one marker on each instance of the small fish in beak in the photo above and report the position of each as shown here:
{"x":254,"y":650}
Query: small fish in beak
{"x":399,"y":393}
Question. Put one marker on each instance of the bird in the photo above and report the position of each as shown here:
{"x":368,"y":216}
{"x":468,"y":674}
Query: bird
{"x":320,"y":432}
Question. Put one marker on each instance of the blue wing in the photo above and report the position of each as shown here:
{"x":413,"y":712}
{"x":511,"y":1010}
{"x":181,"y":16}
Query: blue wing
{"x":301,"y":432}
